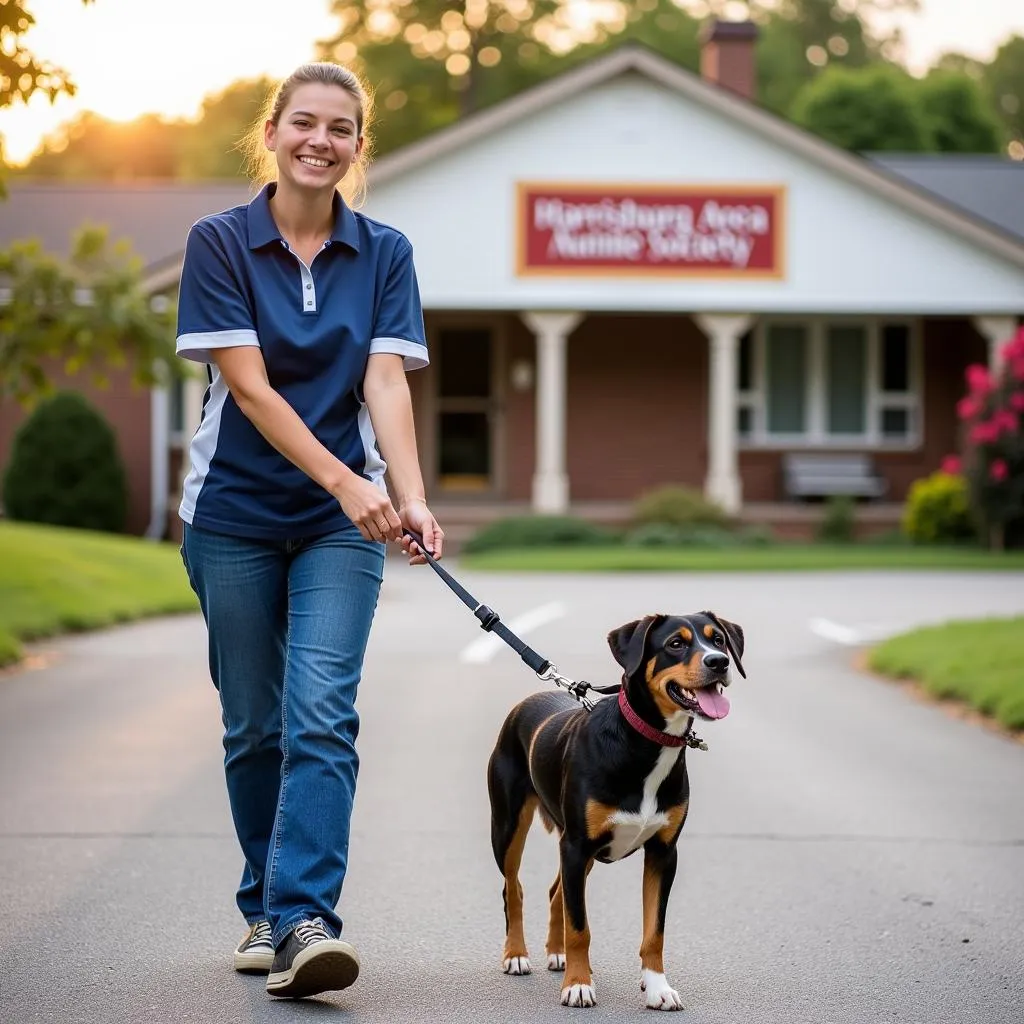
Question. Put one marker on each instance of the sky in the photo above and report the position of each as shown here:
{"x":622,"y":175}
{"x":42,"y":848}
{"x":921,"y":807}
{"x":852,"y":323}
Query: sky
{"x":130,"y":57}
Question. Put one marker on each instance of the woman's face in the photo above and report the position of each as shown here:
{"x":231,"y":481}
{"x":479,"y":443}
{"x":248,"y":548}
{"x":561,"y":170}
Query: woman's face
{"x":316,"y":139}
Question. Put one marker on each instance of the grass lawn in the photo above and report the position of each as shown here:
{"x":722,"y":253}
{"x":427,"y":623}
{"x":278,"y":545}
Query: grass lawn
{"x":781,"y":557}
{"x":55,"y":580}
{"x":987,"y":673}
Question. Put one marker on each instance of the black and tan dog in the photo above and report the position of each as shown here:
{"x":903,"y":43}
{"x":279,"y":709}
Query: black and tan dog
{"x":609,"y":781}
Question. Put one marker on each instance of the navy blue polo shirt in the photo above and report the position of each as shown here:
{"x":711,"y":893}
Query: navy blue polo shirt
{"x":316,"y":326}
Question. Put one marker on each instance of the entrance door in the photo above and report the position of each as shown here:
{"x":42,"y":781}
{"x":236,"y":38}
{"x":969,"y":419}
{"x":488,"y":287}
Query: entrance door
{"x":466,"y":410}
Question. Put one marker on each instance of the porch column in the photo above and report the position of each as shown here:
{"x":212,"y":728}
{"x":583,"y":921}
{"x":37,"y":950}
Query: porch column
{"x":997,"y":331}
{"x":550,"y":480}
{"x":723,"y":480}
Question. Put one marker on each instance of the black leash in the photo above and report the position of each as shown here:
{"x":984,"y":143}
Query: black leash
{"x":491,"y":623}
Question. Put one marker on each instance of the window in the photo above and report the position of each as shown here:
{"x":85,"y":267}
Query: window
{"x":829,"y":382}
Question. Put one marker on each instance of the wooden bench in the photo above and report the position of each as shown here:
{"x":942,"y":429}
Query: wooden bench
{"x":823,"y":475}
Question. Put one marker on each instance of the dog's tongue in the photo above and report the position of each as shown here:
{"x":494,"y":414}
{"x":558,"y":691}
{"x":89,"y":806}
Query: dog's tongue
{"x":712,"y":703}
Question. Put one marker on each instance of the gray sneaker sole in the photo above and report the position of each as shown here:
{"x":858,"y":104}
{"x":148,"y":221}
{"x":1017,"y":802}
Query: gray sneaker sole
{"x":326,"y":966}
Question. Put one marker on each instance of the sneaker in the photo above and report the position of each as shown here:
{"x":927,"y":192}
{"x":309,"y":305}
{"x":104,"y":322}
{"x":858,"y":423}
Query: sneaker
{"x":255,"y":953}
{"x":311,"y":960}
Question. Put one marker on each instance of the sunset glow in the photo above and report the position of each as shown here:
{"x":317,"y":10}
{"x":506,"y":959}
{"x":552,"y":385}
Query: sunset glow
{"x":130,"y":57}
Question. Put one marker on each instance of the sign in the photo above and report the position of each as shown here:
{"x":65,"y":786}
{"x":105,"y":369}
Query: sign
{"x":702,"y":232}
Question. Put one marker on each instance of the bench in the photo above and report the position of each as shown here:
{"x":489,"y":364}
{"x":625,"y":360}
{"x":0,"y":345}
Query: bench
{"x":825,"y":475}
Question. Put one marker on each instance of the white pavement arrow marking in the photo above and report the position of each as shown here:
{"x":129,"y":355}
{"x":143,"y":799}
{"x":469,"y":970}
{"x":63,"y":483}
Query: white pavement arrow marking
{"x":484,"y":648}
{"x":847,"y":635}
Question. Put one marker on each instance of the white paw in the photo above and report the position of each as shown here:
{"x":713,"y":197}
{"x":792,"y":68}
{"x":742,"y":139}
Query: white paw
{"x":556,"y":961}
{"x":579,"y":995}
{"x":516,"y":965}
{"x":660,"y":995}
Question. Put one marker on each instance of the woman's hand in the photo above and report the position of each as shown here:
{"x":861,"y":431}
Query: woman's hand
{"x":417,"y":517}
{"x":370,"y":509}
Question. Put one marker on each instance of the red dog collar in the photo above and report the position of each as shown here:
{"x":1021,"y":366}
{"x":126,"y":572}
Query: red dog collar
{"x":665,"y":739}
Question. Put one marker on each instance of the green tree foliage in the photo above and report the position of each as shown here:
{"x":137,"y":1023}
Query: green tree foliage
{"x":89,"y":314}
{"x":65,"y":468}
{"x":1004,"y":80}
{"x":881,"y":108}
{"x":958,"y":118}
{"x":22,"y":73}
{"x":864,"y":110}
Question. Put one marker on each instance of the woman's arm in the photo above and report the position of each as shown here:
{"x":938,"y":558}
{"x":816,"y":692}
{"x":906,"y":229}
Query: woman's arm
{"x":386,"y":392}
{"x":245,"y":373}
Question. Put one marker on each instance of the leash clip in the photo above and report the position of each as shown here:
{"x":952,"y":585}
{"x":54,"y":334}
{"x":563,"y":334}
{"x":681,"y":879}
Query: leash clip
{"x":575,"y":689}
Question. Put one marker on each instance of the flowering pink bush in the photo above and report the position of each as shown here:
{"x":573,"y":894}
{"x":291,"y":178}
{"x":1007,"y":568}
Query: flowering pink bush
{"x":992,"y":413}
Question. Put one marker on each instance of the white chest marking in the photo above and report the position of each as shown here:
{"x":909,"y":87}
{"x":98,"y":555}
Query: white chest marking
{"x":631,"y":829}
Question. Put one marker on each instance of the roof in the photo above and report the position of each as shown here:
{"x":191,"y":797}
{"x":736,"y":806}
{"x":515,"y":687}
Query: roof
{"x":977,"y":198}
{"x":154,"y":215}
{"x":990,"y":188}
{"x":632,"y":57}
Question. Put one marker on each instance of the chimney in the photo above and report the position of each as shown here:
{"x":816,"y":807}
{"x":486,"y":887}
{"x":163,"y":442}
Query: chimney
{"x":727,"y":55}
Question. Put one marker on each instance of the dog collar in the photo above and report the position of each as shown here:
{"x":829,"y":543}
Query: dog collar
{"x":664,"y":739}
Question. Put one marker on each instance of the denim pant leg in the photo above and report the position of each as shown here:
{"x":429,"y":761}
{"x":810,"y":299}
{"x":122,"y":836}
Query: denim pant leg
{"x":241,"y":586}
{"x":333,"y":585}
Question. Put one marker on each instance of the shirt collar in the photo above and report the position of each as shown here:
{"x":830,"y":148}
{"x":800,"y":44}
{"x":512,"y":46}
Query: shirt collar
{"x":263,"y":230}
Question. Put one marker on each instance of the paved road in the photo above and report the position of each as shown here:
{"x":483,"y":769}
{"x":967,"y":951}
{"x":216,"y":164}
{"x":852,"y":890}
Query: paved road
{"x":853,"y":855}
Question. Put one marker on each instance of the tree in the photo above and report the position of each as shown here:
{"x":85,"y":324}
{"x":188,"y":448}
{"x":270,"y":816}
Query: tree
{"x":22,"y":74}
{"x":870,"y":109}
{"x":958,"y":115}
{"x":89,"y":314}
{"x":90,"y":146}
{"x":466,"y":38}
{"x":1004,"y":79}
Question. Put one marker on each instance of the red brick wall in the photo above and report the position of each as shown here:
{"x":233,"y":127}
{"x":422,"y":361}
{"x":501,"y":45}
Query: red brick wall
{"x":637,"y":405}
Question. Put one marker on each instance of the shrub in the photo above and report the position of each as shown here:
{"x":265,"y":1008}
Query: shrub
{"x":65,"y":469}
{"x":538,"y":531}
{"x":675,"y":505}
{"x":938,"y":510}
{"x":993,"y":445}
{"x":666,"y":535}
{"x":837,"y":522}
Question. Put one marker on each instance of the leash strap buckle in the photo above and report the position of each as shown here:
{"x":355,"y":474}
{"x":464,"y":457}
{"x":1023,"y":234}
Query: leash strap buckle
{"x":575,"y":689}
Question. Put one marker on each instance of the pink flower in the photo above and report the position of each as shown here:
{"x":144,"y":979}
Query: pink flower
{"x":979,"y":380}
{"x":967,"y":408}
{"x":999,"y":471}
{"x":1004,"y":421}
{"x":951,"y":464}
{"x":1017,"y":401}
{"x":985,"y":433}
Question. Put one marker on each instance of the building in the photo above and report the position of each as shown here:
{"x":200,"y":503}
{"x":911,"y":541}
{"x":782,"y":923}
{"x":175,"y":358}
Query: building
{"x":633,"y":275}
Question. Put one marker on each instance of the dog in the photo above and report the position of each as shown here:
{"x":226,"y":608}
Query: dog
{"x":609,"y":782}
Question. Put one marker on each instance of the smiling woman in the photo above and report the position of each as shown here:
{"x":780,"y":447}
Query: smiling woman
{"x":306,"y":315}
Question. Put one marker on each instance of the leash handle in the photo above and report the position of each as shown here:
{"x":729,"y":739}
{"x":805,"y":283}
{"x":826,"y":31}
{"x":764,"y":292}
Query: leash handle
{"x":489,"y":619}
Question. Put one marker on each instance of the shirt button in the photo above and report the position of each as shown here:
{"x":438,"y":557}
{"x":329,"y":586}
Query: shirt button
{"x":309,"y":302}
{"x":308,"y":286}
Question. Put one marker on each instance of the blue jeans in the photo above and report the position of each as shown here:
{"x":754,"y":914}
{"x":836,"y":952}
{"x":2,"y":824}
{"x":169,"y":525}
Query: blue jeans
{"x":288,"y":623}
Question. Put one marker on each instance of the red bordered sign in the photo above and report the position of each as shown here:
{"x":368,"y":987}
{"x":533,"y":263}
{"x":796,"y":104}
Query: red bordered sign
{"x":706,"y":231}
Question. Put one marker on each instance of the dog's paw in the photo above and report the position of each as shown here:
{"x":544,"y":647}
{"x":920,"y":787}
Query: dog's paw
{"x":659,"y":994}
{"x":516,"y":965}
{"x":556,"y":961}
{"x":579,"y":995}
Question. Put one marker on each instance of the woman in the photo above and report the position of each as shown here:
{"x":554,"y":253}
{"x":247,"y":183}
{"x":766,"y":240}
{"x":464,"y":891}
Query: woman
{"x":307,"y":315}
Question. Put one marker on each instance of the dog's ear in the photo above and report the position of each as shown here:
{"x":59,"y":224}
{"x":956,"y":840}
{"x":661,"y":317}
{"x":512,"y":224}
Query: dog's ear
{"x":628,"y":642}
{"x":733,"y":638}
